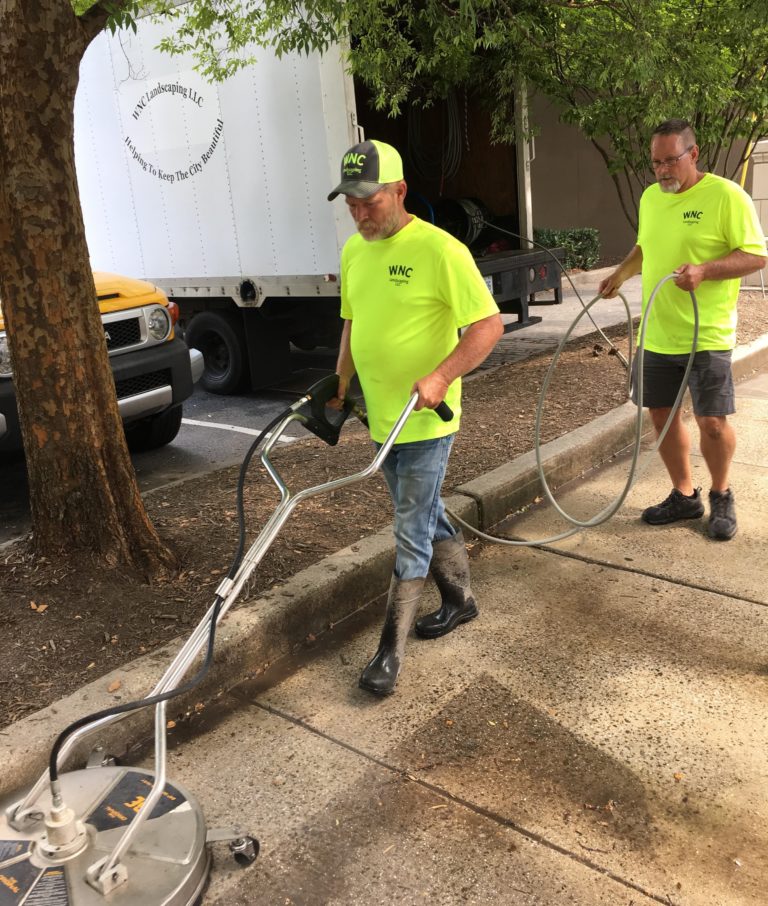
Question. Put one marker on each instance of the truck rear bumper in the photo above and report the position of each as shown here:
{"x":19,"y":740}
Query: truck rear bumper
{"x":147,"y":382}
{"x":514,"y":278}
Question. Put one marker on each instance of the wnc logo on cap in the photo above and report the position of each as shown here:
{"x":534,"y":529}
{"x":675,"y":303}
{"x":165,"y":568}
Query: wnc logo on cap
{"x":366,"y":167}
{"x":353,"y":163}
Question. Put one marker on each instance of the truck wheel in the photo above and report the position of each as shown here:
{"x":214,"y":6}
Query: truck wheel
{"x":154,"y":431}
{"x":220,"y":337}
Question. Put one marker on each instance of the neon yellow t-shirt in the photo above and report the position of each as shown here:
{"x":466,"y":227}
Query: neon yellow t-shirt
{"x":406,"y":297}
{"x":706,"y":222}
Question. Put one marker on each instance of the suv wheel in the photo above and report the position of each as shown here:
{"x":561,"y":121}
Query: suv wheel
{"x":154,"y":431}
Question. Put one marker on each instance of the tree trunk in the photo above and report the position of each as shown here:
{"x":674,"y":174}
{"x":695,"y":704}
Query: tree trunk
{"x":83,"y":492}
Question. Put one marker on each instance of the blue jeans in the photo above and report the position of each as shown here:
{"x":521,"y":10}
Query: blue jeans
{"x":414,"y":473}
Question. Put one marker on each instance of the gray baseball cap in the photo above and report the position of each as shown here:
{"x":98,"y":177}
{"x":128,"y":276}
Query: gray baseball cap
{"x":366,"y":168}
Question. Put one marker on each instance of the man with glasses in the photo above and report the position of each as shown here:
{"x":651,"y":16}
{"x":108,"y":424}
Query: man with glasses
{"x":704,"y":229}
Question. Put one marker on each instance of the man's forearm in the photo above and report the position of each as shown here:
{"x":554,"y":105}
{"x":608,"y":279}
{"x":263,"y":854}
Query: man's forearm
{"x":630,"y":266}
{"x":345,"y":366}
{"x":475,"y":345}
{"x":732,"y":266}
{"x":735,"y":264}
{"x":473,"y":348}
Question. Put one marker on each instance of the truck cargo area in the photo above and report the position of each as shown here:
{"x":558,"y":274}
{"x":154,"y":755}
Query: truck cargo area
{"x":218,"y":195}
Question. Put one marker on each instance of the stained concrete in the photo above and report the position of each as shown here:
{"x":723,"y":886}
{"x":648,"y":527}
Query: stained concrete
{"x":609,"y":716}
{"x":336,"y":827}
{"x":598,"y":735}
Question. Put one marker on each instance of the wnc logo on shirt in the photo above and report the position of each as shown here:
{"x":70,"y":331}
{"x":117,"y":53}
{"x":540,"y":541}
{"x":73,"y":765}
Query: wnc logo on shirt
{"x":400,"y":274}
{"x":692,"y":217}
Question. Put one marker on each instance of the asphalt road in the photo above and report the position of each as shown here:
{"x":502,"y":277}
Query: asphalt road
{"x":216,"y":431}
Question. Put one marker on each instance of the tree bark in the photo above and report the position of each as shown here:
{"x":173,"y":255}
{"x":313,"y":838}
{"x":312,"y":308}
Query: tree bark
{"x":83,"y":492}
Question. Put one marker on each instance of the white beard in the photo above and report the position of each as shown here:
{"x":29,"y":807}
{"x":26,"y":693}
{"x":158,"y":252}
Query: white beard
{"x":670,"y":185}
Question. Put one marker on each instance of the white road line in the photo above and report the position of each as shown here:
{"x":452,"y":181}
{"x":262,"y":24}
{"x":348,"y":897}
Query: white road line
{"x":236,"y":428}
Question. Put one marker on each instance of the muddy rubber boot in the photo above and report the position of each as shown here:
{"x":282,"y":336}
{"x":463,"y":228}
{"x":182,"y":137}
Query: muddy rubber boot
{"x":382,"y":671}
{"x":450,"y":570}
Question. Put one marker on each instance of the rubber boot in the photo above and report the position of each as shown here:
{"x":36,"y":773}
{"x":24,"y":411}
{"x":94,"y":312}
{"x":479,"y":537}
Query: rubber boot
{"x":382,"y":671}
{"x":450,"y":570}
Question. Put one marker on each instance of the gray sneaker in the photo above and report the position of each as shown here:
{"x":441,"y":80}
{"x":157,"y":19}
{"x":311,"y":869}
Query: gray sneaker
{"x":676,"y":506}
{"x":722,"y":515}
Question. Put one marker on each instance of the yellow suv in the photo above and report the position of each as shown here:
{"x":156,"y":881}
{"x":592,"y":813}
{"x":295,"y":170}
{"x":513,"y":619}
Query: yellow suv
{"x":153,"y":370}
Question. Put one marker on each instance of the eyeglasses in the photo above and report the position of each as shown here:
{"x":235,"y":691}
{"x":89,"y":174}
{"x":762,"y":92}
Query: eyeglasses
{"x":670,"y":161}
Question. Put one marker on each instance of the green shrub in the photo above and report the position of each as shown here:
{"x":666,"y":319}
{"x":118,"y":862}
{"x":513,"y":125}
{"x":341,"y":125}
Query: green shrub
{"x":582,"y":246}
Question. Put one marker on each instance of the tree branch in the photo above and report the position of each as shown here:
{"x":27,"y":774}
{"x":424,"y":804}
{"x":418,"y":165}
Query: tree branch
{"x":95,"y":19}
{"x":619,"y":191}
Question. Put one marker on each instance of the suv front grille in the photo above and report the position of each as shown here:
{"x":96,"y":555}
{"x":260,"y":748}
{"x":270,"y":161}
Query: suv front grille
{"x":122,"y":333}
{"x":142,"y":383}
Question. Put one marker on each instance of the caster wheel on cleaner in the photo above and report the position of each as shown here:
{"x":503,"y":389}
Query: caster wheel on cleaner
{"x":244,"y":850}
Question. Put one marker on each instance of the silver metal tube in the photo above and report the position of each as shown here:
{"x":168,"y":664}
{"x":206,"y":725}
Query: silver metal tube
{"x":273,"y":525}
{"x":151,"y":801}
{"x":252,"y":558}
{"x":186,"y":654}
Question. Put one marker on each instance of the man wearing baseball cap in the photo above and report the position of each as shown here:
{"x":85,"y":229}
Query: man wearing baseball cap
{"x":407,"y":287}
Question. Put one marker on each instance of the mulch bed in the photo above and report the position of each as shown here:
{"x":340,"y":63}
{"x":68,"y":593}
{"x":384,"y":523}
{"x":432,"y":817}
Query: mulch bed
{"x":64,"y":625}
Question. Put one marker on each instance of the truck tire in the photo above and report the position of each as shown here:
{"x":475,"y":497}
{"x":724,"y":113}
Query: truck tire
{"x":154,"y":431}
{"x":219,"y":335}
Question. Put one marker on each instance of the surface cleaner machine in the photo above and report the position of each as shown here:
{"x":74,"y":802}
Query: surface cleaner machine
{"x":118,"y":834}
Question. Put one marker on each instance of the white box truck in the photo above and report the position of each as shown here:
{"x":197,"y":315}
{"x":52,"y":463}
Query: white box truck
{"x":218,"y":194}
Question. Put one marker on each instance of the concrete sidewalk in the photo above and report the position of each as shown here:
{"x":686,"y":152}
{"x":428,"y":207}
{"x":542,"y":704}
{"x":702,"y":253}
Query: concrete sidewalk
{"x":556,"y":319}
{"x":261,"y":632}
{"x":598,"y":735}
{"x":527,"y":756}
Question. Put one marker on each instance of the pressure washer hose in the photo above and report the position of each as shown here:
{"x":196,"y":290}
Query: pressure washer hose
{"x":127,"y":707}
{"x":605,"y":514}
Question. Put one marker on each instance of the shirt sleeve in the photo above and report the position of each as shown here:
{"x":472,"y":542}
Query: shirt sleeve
{"x":463,"y":287}
{"x":745,"y":232}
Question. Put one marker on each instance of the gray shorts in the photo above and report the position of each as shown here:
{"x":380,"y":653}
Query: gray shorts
{"x":710,"y":381}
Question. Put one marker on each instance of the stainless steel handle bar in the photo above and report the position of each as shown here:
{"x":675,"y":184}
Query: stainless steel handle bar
{"x":227,"y":591}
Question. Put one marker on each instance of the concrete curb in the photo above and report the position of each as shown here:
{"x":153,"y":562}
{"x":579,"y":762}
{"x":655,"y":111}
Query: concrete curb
{"x":516,"y":484}
{"x":262,"y":630}
{"x":587,"y":279}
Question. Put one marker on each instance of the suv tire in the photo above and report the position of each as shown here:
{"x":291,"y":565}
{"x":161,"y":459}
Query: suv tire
{"x":154,"y":431}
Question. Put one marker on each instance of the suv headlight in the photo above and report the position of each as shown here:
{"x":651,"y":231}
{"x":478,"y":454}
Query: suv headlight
{"x":158,"y":323}
{"x":5,"y":357}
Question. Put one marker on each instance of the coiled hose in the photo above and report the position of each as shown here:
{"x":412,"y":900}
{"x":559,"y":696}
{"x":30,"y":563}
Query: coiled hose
{"x":605,"y":514}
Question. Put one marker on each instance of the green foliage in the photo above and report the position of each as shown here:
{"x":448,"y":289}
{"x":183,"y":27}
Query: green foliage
{"x":121,"y":13}
{"x":615,"y":68}
{"x":582,"y":246}
{"x":222,"y":36}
